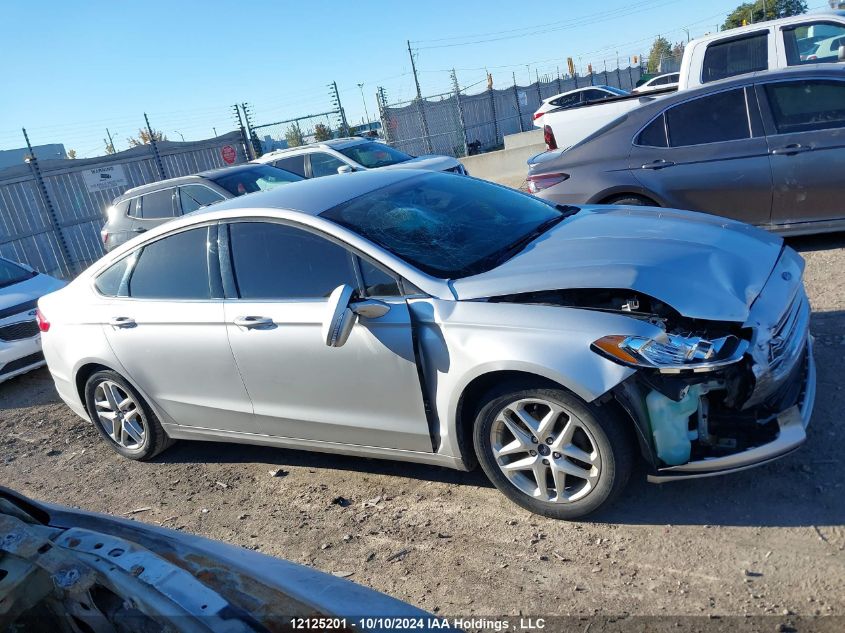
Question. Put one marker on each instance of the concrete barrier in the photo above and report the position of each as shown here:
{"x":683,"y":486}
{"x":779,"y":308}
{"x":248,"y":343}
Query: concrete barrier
{"x":507,"y":166}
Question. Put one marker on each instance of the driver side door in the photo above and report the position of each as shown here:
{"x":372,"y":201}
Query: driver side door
{"x":366,"y":392}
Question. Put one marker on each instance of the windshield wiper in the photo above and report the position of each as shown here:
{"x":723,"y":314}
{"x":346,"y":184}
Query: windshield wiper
{"x":514,"y":248}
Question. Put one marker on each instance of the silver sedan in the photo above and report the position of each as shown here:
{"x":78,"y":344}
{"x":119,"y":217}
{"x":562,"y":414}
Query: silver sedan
{"x":441,"y":319}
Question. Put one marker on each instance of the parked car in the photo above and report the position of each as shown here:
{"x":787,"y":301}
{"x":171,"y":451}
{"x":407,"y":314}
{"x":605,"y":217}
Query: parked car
{"x":764,"y":149}
{"x":770,"y":45}
{"x":422,"y":317}
{"x":20,"y":340}
{"x":667,"y":80}
{"x":344,"y":155}
{"x":106,"y":573}
{"x":575,"y":99}
{"x":141,"y":208}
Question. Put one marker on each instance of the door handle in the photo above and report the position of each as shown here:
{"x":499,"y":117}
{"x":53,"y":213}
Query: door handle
{"x":122,"y":322}
{"x":658,"y":164}
{"x":138,"y":230}
{"x":791,"y":150}
{"x":253,"y":322}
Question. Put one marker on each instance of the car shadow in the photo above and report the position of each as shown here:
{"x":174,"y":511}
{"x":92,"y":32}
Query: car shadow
{"x":820,"y":242}
{"x":33,"y":388}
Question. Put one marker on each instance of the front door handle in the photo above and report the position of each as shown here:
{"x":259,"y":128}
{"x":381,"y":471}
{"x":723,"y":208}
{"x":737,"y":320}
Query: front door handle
{"x":791,"y":150}
{"x":122,"y":322}
{"x":253,"y":322}
{"x":658,"y":164}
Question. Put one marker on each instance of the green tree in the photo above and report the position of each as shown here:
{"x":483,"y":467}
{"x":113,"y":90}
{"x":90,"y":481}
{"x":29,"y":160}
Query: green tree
{"x":762,"y":10}
{"x":661,"y":49}
{"x":322,"y":132}
{"x":293,"y":135}
{"x":71,"y":153}
{"x":143,"y":137}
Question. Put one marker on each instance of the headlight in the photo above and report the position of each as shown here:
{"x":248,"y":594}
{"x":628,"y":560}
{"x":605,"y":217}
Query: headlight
{"x":671,"y":353}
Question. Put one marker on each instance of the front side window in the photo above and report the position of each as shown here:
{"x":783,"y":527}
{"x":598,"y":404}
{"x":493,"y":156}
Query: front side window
{"x":255,"y":178}
{"x":193,"y":197}
{"x":736,"y":57}
{"x":323,"y":164}
{"x":174,"y":267}
{"x":293,"y":164}
{"x":156,"y":205}
{"x":803,"y":106}
{"x":445,"y":226}
{"x":275,"y":261}
{"x":712,"y":119}
{"x":372,"y":154}
{"x":813,"y":43}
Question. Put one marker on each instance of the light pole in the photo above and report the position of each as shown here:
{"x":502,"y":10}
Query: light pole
{"x":364,"y":101}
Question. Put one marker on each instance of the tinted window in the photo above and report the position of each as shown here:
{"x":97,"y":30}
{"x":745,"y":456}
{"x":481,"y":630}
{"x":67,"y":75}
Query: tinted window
{"x":293,"y":164}
{"x":813,"y":43}
{"x":255,"y":178}
{"x":373,"y":154}
{"x":11,"y":273}
{"x":735,"y":57}
{"x":175,"y":267}
{"x":712,"y":119}
{"x":448,"y":227}
{"x":654,"y":135}
{"x":158,"y":204}
{"x":567,"y":101}
{"x":800,"y":106}
{"x":108,"y":281}
{"x":274,"y":261}
{"x":193,"y":197}
{"x":596,"y":95}
{"x":324,"y":164}
{"x":377,"y":283}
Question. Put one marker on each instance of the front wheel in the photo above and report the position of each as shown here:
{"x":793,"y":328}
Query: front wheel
{"x":552,"y":453}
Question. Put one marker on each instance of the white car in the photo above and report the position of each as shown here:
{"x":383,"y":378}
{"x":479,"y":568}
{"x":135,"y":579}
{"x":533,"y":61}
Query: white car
{"x":661,"y":82}
{"x":575,"y":99}
{"x":343,"y":155}
{"x":20,"y":340}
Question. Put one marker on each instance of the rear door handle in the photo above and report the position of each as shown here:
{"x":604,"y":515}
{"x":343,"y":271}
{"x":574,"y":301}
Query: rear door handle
{"x":252,"y":322}
{"x":122,"y":322}
{"x":791,"y":150}
{"x":138,"y":230}
{"x":658,"y":164}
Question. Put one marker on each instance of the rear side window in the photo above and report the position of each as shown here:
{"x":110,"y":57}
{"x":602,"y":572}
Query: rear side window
{"x":122,"y":208}
{"x":158,"y":204}
{"x":803,"y":106}
{"x":736,"y":57}
{"x":108,"y":282}
{"x":193,"y":197}
{"x":274,"y":261}
{"x":567,"y":101}
{"x":712,"y":119}
{"x":175,"y":267}
{"x":324,"y":164}
{"x":295,"y":164}
{"x":654,"y":134}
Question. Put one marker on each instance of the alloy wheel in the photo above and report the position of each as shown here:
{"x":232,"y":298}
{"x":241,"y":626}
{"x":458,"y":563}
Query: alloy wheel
{"x":119,"y":415}
{"x":545,"y":450}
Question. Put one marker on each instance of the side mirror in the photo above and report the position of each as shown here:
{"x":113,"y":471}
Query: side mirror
{"x":841,"y":56}
{"x":344,"y":169}
{"x":339,"y":317}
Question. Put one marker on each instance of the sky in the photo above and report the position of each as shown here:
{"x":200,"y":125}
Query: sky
{"x":69,"y":70}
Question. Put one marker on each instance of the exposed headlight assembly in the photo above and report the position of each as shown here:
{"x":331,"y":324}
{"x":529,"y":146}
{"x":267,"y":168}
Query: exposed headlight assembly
{"x":672,"y":353}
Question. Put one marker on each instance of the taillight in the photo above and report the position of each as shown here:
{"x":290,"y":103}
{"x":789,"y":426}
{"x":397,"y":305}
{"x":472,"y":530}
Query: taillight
{"x":538,"y":114}
{"x":549,"y":137}
{"x":104,"y":235}
{"x":544,"y":181}
{"x":43,"y":323}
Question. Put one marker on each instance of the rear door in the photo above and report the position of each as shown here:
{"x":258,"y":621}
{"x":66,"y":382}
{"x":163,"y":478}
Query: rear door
{"x":152,"y":209}
{"x":805,"y":122}
{"x":708,"y":154}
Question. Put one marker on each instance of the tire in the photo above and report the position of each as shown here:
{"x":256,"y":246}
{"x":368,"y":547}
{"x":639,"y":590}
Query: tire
{"x":575,"y":428}
{"x":632,"y":200}
{"x":141,"y":436}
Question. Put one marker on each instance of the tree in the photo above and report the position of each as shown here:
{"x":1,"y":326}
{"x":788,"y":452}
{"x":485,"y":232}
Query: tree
{"x":678,"y":51}
{"x":762,"y":10}
{"x":143,"y":137}
{"x":293,"y":135}
{"x":322,"y":132}
{"x":109,"y":147}
{"x":71,"y":153}
{"x":660,"y":50}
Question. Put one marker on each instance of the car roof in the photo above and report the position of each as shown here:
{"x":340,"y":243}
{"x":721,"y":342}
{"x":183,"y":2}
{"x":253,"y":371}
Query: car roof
{"x":208,"y":174}
{"x":334,"y":143}
{"x":759,"y":26}
{"x":315,"y":195}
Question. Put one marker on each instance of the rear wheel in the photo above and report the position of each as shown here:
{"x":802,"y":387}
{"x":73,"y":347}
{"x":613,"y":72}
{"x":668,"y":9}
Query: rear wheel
{"x":123,"y":418}
{"x":552,"y":453}
{"x":632,"y":200}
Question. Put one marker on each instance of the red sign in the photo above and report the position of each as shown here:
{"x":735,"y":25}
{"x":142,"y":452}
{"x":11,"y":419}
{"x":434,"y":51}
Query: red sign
{"x":229,"y":154}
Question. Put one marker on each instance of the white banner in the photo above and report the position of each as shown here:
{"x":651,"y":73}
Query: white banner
{"x":103,"y":178}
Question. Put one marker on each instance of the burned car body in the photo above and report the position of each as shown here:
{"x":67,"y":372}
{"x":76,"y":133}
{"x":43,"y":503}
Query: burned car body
{"x":444,"y":320}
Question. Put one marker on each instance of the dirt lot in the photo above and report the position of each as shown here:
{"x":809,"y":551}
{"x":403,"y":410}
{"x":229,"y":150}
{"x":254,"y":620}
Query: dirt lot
{"x":767,"y":541}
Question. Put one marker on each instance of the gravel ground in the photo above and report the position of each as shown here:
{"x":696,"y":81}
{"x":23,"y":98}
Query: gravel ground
{"x":766,"y":541}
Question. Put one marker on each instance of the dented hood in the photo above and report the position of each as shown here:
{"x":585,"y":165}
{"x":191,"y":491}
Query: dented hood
{"x":704,"y":266}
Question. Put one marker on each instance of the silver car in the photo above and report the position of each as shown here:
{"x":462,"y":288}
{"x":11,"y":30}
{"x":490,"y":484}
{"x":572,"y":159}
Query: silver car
{"x":441,"y":319}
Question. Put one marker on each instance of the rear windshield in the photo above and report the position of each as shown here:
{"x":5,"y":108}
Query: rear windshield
{"x":11,"y":273}
{"x":373,"y":154}
{"x":257,"y":178}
